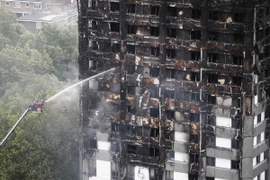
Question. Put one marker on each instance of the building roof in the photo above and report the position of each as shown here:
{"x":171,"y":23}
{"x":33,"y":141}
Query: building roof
{"x":46,"y":17}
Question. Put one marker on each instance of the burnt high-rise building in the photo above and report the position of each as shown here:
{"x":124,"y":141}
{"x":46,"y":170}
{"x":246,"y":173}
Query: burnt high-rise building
{"x":188,"y":99}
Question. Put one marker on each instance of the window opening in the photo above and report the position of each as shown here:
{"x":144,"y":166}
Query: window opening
{"x":130,"y":130}
{"x":195,"y":76}
{"x":115,"y":27}
{"x":131,"y":90}
{"x":213,"y":78}
{"x":238,"y":60}
{"x":236,"y":80}
{"x":171,"y":53}
{"x":238,"y":38}
{"x":213,"y":57}
{"x":154,"y":112}
{"x":93,"y":143}
{"x":196,"y":14}
{"x":234,"y":164}
{"x":171,"y":32}
{"x":169,"y":114}
{"x":114,"y":6}
{"x":195,"y":35}
{"x":131,"y":8}
{"x":210,"y":120}
{"x":155,"y":10}
{"x":211,"y":99}
{"x":170,"y":73}
{"x":115,"y":127}
{"x":214,"y":15}
{"x":235,"y":144}
{"x":195,"y":55}
{"x":94,"y":25}
{"x":155,"y":51}
{"x":131,"y":29}
{"x":195,"y":97}
{"x":154,"y":92}
{"x":154,"y":152}
{"x":116,"y":48}
{"x":154,"y":31}
{"x":172,"y":11}
{"x":238,"y":17}
{"x":194,"y":117}
{"x":114,"y":170}
{"x":213,"y":36}
{"x":93,"y":5}
{"x":154,"y":132}
{"x":154,"y":72}
{"x":169,"y":94}
{"x":130,"y":49}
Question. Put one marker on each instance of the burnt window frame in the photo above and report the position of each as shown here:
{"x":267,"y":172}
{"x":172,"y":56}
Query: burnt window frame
{"x":154,"y":92}
{"x":131,"y":49}
{"x":154,"y":10}
{"x":170,"y":73}
{"x":154,"y":72}
{"x":238,"y":60}
{"x":235,"y":144}
{"x":213,"y":57}
{"x":131,"y":8}
{"x":196,"y":14}
{"x":195,"y":55}
{"x":114,"y":6}
{"x":169,"y":93}
{"x":238,"y":17}
{"x":236,"y":80}
{"x":114,"y":171}
{"x":213,"y":36}
{"x":235,"y":164}
{"x":171,"y":32}
{"x":116,"y":47}
{"x":115,"y":27}
{"x":154,"y":132}
{"x":195,"y":76}
{"x":195,"y":97}
{"x":170,"y":114}
{"x":238,"y":38}
{"x":115,"y":127}
{"x":211,"y":99}
{"x":172,"y":11}
{"x":93,"y":25}
{"x":214,"y":15}
{"x":212,"y":78}
{"x":195,"y":35}
{"x":171,"y":53}
{"x":154,"y":31}
{"x":93,"y":143}
{"x":154,"y":112}
{"x":194,"y":117}
{"x":131,"y":29}
{"x":155,"y":51}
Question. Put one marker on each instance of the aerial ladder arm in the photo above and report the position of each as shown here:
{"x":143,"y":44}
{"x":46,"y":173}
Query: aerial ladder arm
{"x":13,"y":128}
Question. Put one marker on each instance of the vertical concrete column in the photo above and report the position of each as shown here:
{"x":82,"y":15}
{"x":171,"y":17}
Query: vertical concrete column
{"x":123,"y":47}
{"x":203,"y":62}
{"x":246,"y":125}
{"x":162,"y":79}
{"x":84,"y":103}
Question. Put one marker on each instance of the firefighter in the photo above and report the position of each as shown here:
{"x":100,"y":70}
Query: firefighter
{"x":39,"y":107}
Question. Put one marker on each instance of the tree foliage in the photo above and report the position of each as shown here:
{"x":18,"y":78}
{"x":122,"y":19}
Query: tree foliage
{"x":36,"y":66}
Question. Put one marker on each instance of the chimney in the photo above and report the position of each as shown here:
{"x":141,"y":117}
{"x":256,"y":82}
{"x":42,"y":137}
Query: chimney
{"x":56,"y":8}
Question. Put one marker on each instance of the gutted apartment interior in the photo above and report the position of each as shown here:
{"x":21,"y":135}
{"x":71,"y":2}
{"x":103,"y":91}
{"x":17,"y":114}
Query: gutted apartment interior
{"x":189,"y":96}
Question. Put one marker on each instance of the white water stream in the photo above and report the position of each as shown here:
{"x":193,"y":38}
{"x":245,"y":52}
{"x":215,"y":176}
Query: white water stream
{"x":87,"y":79}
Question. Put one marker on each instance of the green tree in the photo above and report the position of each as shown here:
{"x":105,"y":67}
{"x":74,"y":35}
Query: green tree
{"x":9,"y":28}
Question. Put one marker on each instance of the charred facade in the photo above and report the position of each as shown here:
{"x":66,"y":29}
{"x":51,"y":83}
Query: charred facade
{"x":189,"y":97}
